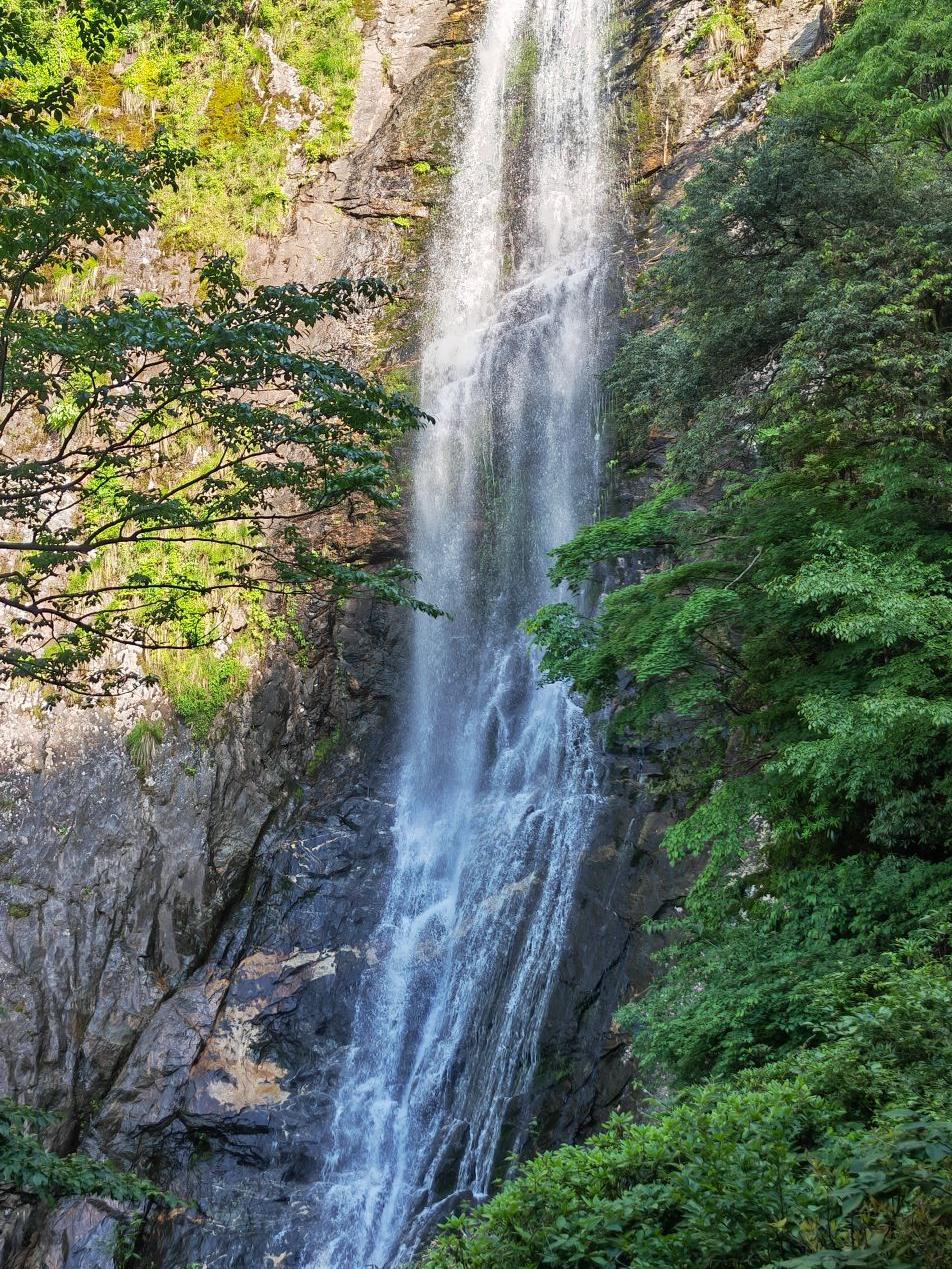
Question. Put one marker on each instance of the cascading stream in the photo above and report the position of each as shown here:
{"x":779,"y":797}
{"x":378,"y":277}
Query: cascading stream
{"x":498,"y":786}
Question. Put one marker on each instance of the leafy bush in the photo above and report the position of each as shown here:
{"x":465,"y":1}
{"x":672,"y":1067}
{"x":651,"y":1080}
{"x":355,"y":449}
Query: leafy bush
{"x":888,"y":74}
{"x":29,"y":1169}
{"x":809,"y":1162}
{"x":746,"y":978}
{"x":727,"y":32}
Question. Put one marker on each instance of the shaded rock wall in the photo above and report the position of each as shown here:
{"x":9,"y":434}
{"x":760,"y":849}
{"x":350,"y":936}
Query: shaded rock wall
{"x":115,"y":887}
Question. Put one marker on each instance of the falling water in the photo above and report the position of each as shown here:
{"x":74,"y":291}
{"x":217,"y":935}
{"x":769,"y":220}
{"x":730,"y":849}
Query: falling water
{"x":497,"y":789}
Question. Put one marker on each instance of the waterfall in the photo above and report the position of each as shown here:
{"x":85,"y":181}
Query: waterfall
{"x":497,"y":789}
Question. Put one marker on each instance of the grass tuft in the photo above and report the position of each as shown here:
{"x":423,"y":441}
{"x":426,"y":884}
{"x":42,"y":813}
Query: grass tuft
{"x":323,"y":750}
{"x":142,"y":744}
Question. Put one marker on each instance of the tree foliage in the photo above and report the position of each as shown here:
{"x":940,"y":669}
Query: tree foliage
{"x":764,"y":965}
{"x":794,"y":609}
{"x":889,"y":76}
{"x":782,"y":644}
{"x":836,"y":1157}
{"x":132,"y":426}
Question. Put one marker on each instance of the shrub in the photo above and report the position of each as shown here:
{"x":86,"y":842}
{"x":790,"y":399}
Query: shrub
{"x":744,"y":982}
{"x":811,"y":1161}
{"x":29,"y":1169}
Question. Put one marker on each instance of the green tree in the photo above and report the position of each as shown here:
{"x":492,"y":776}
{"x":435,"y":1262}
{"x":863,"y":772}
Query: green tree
{"x":131,"y":426}
{"x":783,"y":642}
{"x":825,"y":1159}
{"x":889,"y":75}
{"x":790,"y":632}
{"x":764,"y":966}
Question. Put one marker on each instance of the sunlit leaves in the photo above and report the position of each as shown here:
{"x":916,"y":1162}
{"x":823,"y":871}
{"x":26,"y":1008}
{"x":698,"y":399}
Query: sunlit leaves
{"x":131,"y":425}
{"x":837,"y":1153}
{"x":889,"y":74}
{"x":791,"y":612}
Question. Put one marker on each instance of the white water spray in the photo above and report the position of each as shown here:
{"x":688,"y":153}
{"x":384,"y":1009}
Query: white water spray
{"x":497,"y":790}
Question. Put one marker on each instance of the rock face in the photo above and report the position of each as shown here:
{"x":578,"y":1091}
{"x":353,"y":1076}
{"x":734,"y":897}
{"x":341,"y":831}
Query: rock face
{"x":123,"y":899}
{"x":116,"y":883}
{"x":180,"y":950}
{"x":81,"y":1232}
{"x":683,"y":86}
{"x":365,"y":212}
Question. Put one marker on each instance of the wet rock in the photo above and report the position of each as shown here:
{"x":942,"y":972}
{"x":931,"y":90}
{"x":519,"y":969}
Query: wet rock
{"x":15,"y":1217}
{"x":446,"y":1168}
{"x":80,"y":1234}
